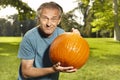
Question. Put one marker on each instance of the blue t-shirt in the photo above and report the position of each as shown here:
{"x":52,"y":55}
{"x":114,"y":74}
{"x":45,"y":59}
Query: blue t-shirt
{"x":35,"y":46}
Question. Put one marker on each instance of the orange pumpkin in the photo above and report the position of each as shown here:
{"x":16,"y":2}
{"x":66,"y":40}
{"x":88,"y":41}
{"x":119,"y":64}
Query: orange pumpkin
{"x":70,"y":49}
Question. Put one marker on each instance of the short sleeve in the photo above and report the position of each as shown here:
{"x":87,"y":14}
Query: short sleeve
{"x":60,"y":31}
{"x":26,"y":50}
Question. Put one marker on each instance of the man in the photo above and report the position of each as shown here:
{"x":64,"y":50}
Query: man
{"x":34,"y":48}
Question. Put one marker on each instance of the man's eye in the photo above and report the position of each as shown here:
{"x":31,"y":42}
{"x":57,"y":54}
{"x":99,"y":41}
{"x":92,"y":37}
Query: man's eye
{"x":54,"y":19}
{"x":44,"y":18}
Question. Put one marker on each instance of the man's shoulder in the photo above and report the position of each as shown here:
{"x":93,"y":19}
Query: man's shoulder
{"x":60,"y":30}
{"x":31,"y":32}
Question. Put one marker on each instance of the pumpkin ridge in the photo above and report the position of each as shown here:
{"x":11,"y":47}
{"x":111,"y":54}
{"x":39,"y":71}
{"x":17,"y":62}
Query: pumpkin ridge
{"x":76,"y":58}
{"x":84,"y":57}
{"x":70,"y":49}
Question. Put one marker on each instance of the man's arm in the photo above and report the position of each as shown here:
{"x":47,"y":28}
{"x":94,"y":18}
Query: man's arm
{"x":29,"y":71}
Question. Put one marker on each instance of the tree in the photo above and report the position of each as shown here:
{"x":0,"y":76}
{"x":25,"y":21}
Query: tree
{"x":21,"y":26}
{"x":86,"y":8}
{"x":67,"y":22}
{"x":116,"y":24}
{"x":24,"y":11}
{"x":5,"y":27}
{"x":101,"y":17}
{"x":13,"y":28}
{"x":2,"y":23}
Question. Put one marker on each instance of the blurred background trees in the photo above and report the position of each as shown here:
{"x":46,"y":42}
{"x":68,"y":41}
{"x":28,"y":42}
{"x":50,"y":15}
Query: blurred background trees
{"x":21,"y":22}
{"x":94,"y":18}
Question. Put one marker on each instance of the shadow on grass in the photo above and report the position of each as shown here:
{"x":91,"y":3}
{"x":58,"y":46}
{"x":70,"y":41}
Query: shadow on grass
{"x":106,"y":56}
{"x":9,"y":63}
{"x":115,"y":42}
{"x":106,"y":59}
{"x":8,"y":49}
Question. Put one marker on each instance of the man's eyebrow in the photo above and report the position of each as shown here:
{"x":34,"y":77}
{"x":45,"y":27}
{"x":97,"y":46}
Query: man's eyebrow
{"x":52,"y":16}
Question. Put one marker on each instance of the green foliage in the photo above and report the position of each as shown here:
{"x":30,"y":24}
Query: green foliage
{"x":100,"y":17}
{"x":103,"y":18}
{"x":14,"y":28}
{"x":85,"y":2}
{"x":24,"y":11}
{"x":5,"y":27}
{"x":67,"y":22}
{"x":103,"y":14}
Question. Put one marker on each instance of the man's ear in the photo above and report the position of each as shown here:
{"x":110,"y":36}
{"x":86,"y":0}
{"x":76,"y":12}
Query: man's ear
{"x":59,"y":21}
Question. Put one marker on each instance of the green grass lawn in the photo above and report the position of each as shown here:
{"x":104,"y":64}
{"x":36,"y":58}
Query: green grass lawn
{"x":9,"y":62}
{"x":103,"y":63}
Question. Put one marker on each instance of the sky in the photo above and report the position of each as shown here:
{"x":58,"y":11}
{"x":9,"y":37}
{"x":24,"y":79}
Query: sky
{"x":34,"y":4}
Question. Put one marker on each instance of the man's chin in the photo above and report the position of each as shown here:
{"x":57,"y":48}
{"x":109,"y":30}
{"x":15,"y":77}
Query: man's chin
{"x":47,"y":34}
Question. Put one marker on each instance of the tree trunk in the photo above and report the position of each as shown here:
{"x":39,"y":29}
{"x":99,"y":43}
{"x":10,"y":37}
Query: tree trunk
{"x":88,"y":27}
{"x":116,"y":24}
{"x":88,"y":18}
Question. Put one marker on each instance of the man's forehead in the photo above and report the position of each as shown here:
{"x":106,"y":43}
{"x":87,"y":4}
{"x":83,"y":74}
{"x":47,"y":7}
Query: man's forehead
{"x":44,"y":16}
{"x":50,"y":12}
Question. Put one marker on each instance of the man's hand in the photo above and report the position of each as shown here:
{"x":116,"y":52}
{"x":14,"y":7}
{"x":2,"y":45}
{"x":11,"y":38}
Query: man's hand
{"x":75,"y":31}
{"x":58,"y":67}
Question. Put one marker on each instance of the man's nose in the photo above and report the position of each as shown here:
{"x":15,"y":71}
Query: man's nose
{"x":49,"y":22}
